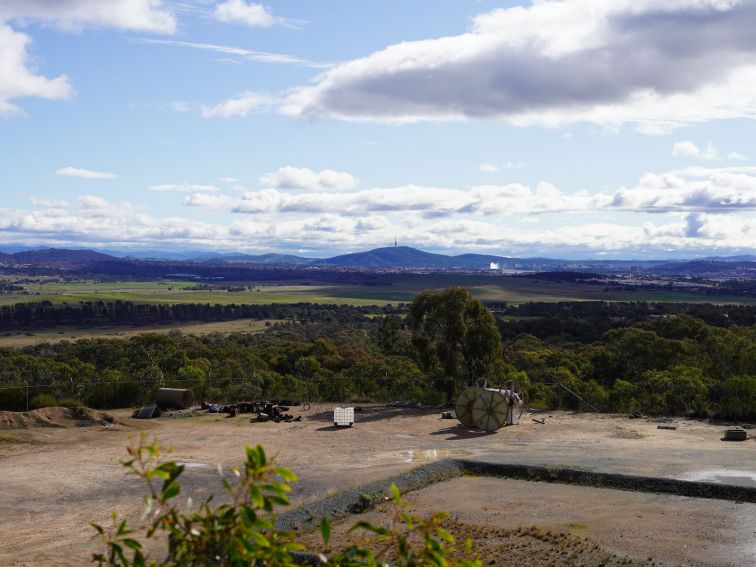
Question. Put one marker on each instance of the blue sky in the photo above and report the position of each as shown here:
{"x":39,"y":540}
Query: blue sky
{"x":571,"y":128}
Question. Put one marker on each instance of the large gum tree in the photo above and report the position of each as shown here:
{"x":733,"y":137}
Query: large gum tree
{"x":456,"y":338}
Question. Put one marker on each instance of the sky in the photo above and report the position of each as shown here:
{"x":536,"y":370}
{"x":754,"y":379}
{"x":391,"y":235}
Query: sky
{"x":561,"y":128}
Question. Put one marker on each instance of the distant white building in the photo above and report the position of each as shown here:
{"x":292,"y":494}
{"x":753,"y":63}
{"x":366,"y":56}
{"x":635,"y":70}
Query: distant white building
{"x":494,"y":266}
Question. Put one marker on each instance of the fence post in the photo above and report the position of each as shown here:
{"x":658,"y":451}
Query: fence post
{"x":27,"y":394}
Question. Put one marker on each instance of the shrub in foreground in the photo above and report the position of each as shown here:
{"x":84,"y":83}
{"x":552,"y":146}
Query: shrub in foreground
{"x":243,"y":531}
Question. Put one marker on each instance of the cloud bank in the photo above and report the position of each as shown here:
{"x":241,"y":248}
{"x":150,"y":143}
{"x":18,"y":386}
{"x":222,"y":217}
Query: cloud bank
{"x":656,"y":64}
{"x":685,"y":191}
{"x":133,"y":15}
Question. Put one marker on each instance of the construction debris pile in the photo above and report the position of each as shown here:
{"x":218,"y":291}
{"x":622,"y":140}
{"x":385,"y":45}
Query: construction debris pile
{"x":266,"y":411}
{"x":179,"y":399}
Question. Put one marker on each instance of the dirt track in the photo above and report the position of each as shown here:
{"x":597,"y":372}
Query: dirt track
{"x":56,"y":480}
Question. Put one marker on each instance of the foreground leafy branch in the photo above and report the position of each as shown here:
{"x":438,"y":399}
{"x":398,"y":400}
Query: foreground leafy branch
{"x":243,"y":530}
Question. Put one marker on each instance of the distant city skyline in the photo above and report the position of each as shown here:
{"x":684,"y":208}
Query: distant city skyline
{"x":564,"y":129}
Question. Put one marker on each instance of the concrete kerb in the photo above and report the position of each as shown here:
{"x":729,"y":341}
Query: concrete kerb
{"x":657,"y":485}
{"x":308,"y":517}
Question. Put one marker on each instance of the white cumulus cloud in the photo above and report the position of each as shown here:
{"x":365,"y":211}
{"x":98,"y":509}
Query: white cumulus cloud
{"x":689,"y":149}
{"x":49,"y":203}
{"x":238,"y":106}
{"x":69,"y":171}
{"x":133,"y":15}
{"x":291,"y":177}
{"x":658,"y":65}
{"x":18,"y":76}
{"x":183,"y":187}
{"x":685,"y":191}
{"x":239,"y":11}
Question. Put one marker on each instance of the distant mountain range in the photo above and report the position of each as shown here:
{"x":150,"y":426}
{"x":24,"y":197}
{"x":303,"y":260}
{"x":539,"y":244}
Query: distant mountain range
{"x":57,"y":256}
{"x":406,"y":257}
{"x":395,"y":257}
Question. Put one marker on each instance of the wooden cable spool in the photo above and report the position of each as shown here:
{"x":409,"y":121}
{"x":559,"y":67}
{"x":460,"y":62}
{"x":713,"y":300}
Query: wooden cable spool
{"x":489,"y":410}
{"x":464,"y":405}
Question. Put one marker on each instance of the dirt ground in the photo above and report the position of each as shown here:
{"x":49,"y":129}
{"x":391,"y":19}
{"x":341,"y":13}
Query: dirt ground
{"x":57,"y":480}
{"x":578,"y":525}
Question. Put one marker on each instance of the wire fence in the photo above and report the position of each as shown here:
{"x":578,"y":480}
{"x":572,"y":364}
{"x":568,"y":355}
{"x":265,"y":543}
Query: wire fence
{"x":340,"y":388}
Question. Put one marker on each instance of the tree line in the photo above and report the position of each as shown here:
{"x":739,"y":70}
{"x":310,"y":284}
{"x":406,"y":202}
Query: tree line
{"x":44,"y":314}
{"x":658,"y":359}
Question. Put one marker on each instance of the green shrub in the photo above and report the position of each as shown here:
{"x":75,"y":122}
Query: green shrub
{"x":739,"y":398}
{"x":43,"y":401}
{"x":71,"y":403}
{"x":243,"y":531}
{"x":622,"y":397}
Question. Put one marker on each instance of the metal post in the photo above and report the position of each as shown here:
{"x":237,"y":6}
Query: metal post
{"x":27,"y":394}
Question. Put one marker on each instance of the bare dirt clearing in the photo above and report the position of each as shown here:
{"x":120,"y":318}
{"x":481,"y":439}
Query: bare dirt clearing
{"x":55,"y":417}
{"x":578,"y":525}
{"x":57,"y":480}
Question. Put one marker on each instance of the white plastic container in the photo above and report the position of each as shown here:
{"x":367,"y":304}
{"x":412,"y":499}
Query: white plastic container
{"x":343,"y":417}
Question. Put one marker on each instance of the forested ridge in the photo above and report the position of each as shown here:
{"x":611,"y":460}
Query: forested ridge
{"x":668,"y":359}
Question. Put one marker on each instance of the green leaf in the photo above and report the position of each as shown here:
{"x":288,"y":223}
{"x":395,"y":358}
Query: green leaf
{"x":286,"y":474}
{"x":256,"y":495}
{"x":396,"y":493}
{"x":132,"y":543}
{"x":325,"y":531}
{"x":171,"y":490}
{"x":259,"y":539}
{"x":98,"y":528}
{"x":123,"y":529}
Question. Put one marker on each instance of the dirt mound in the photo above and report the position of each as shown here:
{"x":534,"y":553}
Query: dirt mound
{"x":54,"y":417}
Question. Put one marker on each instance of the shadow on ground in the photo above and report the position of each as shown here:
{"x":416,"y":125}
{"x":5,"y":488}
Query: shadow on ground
{"x":459,"y":431}
{"x":379,"y":413}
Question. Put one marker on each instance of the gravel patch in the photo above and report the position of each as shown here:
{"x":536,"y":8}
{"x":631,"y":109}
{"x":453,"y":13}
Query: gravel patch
{"x":355,"y":500}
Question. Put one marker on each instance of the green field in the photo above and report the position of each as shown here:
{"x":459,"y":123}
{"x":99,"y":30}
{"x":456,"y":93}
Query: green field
{"x":401,"y":289}
{"x":22,"y":339}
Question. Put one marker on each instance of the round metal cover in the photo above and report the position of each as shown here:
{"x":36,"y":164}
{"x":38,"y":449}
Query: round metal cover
{"x":489,"y":411}
{"x":464,"y":405}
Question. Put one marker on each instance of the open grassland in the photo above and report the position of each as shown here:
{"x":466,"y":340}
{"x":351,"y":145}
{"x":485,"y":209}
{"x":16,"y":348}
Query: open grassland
{"x":22,"y":339}
{"x":397,"y":289}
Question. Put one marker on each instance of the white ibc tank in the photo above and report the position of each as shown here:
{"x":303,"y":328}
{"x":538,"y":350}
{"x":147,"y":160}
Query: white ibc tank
{"x":343,"y":417}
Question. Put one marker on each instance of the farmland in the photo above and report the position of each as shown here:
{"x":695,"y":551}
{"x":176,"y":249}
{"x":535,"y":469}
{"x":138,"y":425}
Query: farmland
{"x":395,"y":289}
{"x":22,"y":339}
